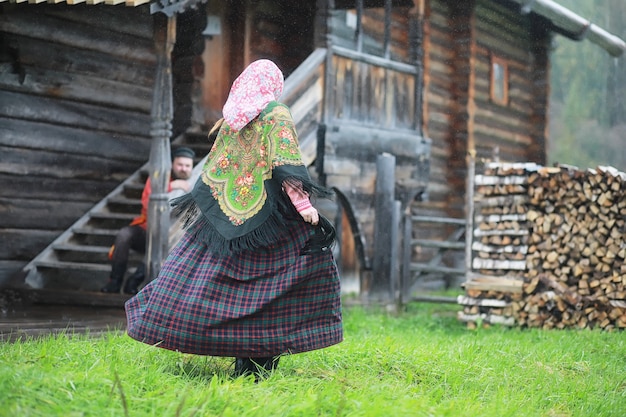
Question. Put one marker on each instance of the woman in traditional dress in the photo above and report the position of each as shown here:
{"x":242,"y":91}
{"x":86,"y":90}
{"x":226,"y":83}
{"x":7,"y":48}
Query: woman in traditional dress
{"x":254,"y":276}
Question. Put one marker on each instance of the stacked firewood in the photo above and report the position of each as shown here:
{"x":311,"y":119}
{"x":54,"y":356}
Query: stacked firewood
{"x":499,"y":244}
{"x":559,"y":234}
{"x":576,"y":271}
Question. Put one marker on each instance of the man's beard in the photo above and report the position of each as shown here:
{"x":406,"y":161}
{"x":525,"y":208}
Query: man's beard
{"x":178,"y":177}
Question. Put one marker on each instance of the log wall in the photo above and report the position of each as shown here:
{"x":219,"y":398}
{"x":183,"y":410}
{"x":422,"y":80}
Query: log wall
{"x":459,"y":114}
{"x":517,"y":127}
{"x":371,"y":108}
{"x":75,"y":99}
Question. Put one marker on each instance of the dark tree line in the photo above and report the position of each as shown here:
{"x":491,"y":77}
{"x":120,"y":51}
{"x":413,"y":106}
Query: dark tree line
{"x":588,"y":96}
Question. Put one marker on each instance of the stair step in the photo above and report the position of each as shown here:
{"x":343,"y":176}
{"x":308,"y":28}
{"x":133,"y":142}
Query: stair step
{"x":134,"y":189}
{"x":122,"y":204}
{"x":68,"y":252}
{"x":442,"y":244}
{"x":110,"y":220}
{"x":75,"y":276}
{"x":82,"y":248}
{"x":93,"y":237}
{"x":78,"y":266}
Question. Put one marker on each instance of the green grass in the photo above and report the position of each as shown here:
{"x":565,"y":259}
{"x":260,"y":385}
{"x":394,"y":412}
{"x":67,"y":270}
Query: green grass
{"x":422,"y":362}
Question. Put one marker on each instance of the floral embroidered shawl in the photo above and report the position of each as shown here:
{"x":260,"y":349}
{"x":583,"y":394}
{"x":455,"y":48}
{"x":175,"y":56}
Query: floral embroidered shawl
{"x":238,"y":202}
{"x":240,"y":162}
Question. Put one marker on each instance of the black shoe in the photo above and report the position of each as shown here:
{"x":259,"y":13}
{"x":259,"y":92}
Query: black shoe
{"x":243,"y":367}
{"x":111,"y":287}
{"x":259,"y":367}
{"x":134,"y":281}
{"x":269,"y":364}
{"x":132,"y":285}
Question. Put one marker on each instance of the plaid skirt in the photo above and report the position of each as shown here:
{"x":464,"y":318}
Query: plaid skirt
{"x":253,"y":304}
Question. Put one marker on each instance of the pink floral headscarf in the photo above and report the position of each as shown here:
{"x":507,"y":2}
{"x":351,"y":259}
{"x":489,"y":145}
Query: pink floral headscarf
{"x":259,"y":84}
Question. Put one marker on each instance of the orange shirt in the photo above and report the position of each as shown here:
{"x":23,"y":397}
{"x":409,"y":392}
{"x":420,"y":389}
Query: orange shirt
{"x":142,"y":219}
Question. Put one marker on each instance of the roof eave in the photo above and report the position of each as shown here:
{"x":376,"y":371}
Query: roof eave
{"x":172,"y":7}
{"x":574,"y":26}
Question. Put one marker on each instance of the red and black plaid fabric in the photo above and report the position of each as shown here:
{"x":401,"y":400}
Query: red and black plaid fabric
{"x":253,"y":304}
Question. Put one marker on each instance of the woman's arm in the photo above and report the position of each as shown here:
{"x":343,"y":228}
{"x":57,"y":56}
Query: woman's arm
{"x":300,"y":200}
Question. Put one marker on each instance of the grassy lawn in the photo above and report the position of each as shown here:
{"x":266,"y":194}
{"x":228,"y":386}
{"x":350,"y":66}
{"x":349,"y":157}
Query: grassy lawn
{"x":422,"y":362}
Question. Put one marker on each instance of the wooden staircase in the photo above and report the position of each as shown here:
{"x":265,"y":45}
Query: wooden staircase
{"x":73,"y":268}
{"x":77,"y":260}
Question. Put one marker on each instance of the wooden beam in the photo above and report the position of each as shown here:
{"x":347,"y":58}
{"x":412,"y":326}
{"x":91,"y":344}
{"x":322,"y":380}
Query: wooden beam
{"x":384,"y":227}
{"x":160,"y":162}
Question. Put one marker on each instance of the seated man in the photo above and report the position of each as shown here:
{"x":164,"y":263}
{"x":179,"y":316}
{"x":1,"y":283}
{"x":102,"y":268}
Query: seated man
{"x":133,"y":236}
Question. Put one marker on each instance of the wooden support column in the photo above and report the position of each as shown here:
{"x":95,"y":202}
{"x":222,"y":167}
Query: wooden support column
{"x":385,"y":234}
{"x":469,"y":211}
{"x":157,"y":246}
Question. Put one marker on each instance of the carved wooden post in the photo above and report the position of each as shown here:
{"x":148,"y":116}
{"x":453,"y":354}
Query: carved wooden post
{"x":160,"y":160}
{"x":385,"y":236}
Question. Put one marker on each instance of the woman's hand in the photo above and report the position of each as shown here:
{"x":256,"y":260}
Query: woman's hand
{"x":310,"y":215}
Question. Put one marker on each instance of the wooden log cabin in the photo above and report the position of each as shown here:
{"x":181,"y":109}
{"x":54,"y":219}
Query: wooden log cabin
{"x":93,"y":94}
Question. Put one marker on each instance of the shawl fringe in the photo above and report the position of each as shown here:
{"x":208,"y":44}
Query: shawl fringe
{"x":202,"y":230}
{"x":268,"y":233}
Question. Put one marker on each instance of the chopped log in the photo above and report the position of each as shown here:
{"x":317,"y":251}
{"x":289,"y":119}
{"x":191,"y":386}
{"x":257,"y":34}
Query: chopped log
{"x":501,"y":284}
{"x":562,"y":230}
{"x":468,"y":301}
{"x":486,"y":318}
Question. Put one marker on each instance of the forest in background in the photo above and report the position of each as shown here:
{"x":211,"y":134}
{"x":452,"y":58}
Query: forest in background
{"x":588,"y":93}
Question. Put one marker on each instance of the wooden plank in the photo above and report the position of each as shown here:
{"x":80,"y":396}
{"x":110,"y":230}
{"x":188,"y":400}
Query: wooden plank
{"x":75,"y":266}
{"x":511,"y":200}
{"x":419,"y":267}
{"x":101,"y":39}
{"x":479,"y":247}
{"x":500,"y":180}
{"x":66,"y":58}
{"x":19,"y":213}
{"x":479,"y":263}
{"x":43,"y":171}
{"x":78,"y":87}
{"x":442,"y":244}
{"x":437,"y":219}
{"x":24,"y":244}
{"x":135,"y":22}
{"x":486,"y":318}
{"x":482,"y":302}
{"x":525,"y":166}
{"x":510,"y":284}
{"x":499,"y":218}
{"x":76,"y":114}
{"x":66,"y":139}
{"x":432,"y":299}
{"x":21,"y":186}
{"x":510,"y":232}
{"x":364,"y":144}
